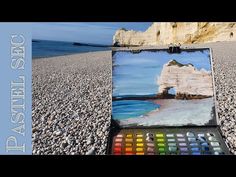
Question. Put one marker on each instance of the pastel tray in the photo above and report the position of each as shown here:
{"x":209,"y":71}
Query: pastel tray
{"x":173,"y":141}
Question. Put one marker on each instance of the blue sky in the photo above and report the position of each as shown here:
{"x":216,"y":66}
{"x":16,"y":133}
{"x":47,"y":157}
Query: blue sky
{"x":89,"y":32}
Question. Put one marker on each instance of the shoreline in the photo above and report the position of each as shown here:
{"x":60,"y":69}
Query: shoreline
{"x":49,"y":57}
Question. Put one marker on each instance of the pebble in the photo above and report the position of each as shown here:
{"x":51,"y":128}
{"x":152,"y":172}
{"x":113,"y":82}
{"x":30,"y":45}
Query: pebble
{"x":34,"y":130}
{"x":91,"y":151}
{"x":89,"y":141}
{"x":64,"y":144}
{"x":57,"y":133}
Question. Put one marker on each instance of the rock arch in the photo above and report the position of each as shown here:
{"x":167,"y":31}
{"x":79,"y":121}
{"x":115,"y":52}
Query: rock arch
{"x":176,"y":75}
{"x":166,"y":93}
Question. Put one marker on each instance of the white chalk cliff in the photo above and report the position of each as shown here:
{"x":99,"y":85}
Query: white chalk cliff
{"x":186,"y":79}
{"x":163,"y":33}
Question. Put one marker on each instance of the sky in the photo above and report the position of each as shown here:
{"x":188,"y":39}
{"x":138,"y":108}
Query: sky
{"x":84,"y":32}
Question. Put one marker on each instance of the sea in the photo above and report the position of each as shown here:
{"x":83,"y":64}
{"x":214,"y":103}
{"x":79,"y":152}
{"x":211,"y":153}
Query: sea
{"x":45,"y":48}
{"x":125,"y":109}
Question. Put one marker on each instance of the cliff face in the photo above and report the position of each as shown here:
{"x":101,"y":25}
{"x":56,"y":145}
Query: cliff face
{"x":163,"y":33}
{"x":188,"y":82}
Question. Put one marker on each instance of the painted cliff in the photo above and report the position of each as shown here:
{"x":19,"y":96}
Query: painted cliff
{"x":188,"y":82}
{"x":164,"y":33}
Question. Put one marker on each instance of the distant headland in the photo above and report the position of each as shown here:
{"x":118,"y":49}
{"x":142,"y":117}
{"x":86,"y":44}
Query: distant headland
{"x":163,"y":33}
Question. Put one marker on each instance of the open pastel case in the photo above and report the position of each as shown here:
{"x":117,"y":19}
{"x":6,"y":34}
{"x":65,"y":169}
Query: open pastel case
{"x":164,"y":103}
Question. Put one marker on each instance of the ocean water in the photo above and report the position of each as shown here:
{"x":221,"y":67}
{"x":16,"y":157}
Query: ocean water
{"x":137,"y":74}
{"x":176,"y":113}
{"x":125,"y":109}
{"x":43,"y":48}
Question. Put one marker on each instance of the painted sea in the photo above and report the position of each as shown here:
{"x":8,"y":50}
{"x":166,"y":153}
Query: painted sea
{"x":124,"y":109}
{"x":136,"y":74}
{"x":45,"y":48}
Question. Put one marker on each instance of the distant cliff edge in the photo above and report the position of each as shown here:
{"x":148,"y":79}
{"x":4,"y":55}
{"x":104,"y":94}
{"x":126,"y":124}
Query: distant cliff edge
{"x":163,"y":33}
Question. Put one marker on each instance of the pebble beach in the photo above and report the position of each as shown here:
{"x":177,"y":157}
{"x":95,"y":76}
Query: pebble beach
{"x":72,"y":98}
{"x":71,"y":103}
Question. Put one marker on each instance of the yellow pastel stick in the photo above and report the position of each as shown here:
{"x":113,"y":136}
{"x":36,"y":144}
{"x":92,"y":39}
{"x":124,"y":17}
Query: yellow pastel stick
{"x":139,"y":149}
{"x":139,"y":153}
{"x":139,"y":140}
{"x":128,"y":144}
{"x":139,"y":136}
{"x":129,"y":136}
{"x":128,"y":140}
{"x":139,"y":144}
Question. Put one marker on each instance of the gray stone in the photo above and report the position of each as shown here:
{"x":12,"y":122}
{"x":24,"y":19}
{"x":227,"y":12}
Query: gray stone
{"x":64,"y":144}
{"x":91,"y":151}
{"x":57,"y":133}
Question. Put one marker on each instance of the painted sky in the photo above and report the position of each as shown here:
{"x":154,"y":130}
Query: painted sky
{"x":89,"y":32}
